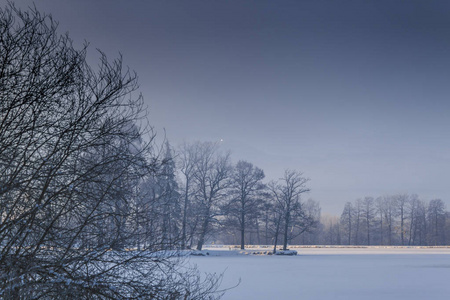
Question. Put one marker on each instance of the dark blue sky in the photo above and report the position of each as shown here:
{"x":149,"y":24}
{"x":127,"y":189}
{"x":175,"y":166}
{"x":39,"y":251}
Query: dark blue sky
{"x":352,"y":93}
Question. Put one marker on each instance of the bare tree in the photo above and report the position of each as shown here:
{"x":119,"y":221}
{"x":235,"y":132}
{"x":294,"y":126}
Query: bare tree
{"x":357,"y":220}
{"x":368,"y":215}
{"x":436,"y":220}
{"x":267,"y":212}
{"x":421,"y":229}
{"x":402,"y":201}
{"x":68,"y":162}
{"x":411,"y":210}
{"x":379,"y":203}
{"x":211,"y":179}
{"x":245,"y":191}
{"x":307,"y":225}
{"x":287,"y":198}
{"x":331,"y":231}
{"x":390,"y":212}
{"x":165,"y":209}
{"x":188,"y":156}
{"x":346,"y":221}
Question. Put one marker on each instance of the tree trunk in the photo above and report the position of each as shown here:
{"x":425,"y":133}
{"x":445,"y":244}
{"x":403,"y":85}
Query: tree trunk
{"x":277,"y":231}
{"x":201,"y":239}
{"x":402,"y":225}
{"x":286,"y":230}
{"x":349,"y":226}
{"x":381,"y":228}
{"x":242,"y":228}
{"x":203,"y":231}
{"x":258,"y":234}
{"x":185,"y":205}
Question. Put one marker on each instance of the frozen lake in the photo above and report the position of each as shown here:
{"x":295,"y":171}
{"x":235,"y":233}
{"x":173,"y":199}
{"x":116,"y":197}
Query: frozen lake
{"x":367,"y":273}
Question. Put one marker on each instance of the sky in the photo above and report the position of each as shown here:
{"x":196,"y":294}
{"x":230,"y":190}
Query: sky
{"x":354,"y":94}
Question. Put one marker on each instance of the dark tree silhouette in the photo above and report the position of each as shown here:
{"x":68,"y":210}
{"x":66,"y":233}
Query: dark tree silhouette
{"x":74,"y":146}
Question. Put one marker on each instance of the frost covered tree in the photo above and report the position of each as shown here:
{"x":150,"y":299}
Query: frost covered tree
{"x":68,"y":163}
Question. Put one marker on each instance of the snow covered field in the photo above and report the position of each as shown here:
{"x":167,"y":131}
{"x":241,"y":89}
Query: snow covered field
{"x":334,"y":273}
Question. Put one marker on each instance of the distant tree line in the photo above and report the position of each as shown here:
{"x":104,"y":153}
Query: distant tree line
{"x":394,"y":220}
{"x":400,"y":219}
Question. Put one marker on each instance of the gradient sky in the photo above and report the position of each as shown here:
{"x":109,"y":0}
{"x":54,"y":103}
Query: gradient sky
{"x":352,"y":93}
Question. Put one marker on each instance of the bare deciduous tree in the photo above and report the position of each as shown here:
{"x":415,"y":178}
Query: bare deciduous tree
{"x":188,"y":155}
{"x":211,"y":180}
{"x":379,"y":203}
{"x":368,"y":215}
{"x":390,"y":212}
{"x":411,"y":210}
{"x":245,"y":189}
{"x":357,"y":220}
{"x":287,"y":194}
{"x":436,"y":221}
{"x":69,"y":165}
{"x":402,"y":201}
{"x":347,"y":220}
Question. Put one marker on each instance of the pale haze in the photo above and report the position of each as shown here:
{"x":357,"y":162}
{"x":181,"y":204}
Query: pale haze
{"x":354,"y":94}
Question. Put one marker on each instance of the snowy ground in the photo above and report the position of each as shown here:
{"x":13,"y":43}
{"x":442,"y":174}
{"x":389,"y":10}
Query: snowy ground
{"x":333,"y":273}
